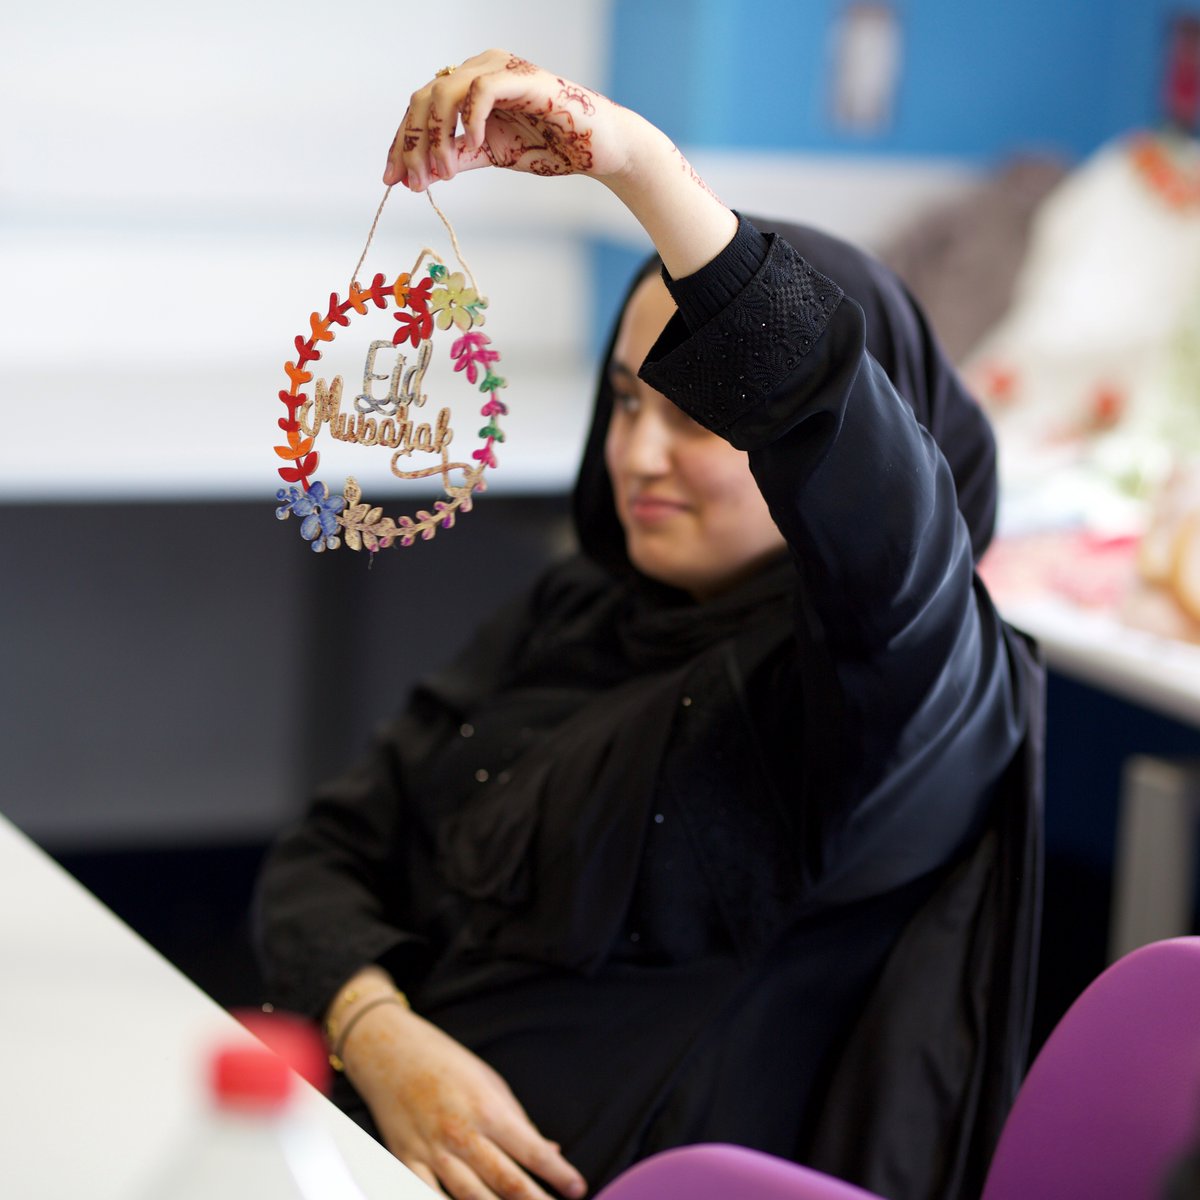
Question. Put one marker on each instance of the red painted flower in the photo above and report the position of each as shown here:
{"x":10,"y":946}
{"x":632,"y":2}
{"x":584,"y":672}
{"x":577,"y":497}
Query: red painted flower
{"x":415,"y":327}
{"x":418,"y":295}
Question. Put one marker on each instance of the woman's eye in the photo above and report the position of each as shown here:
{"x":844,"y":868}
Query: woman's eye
{"x":626,"y":402}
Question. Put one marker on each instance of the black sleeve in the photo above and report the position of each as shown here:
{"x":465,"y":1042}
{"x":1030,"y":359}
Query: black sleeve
{"x":907,"y":690}
{"x":336,"y":891}
{"x":325,"y":904}
{"x":898,"y":336}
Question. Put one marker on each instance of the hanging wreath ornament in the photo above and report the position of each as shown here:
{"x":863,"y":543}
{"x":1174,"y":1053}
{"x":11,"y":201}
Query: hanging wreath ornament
{"x":439,"y":300}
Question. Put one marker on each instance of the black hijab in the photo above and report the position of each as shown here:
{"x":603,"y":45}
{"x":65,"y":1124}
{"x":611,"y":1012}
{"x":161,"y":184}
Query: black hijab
{"x":898,"y":337}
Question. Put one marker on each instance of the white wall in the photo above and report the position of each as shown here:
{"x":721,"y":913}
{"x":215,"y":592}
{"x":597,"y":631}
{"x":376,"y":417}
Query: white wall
{"x":180,"y":185}
{"x":183,"y":184}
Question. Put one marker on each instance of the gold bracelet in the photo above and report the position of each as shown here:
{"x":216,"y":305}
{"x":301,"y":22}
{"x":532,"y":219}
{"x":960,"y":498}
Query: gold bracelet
{"x":348,"y":997}
{"x":345,"y":1000}
{"x":393,"y":997}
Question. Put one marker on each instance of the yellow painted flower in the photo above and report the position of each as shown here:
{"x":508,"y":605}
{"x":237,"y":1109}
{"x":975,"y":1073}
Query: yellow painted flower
{"x":456,"y":304}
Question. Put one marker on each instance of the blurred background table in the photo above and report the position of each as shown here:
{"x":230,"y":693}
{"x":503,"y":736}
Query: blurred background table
{"x":1158,"y":806}
{"x":1159,"y":673}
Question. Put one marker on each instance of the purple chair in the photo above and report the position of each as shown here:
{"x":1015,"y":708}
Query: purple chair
{"x":1113,"y":1097}
{"x":717,"y":1172}
{"x":1111,"y":1101}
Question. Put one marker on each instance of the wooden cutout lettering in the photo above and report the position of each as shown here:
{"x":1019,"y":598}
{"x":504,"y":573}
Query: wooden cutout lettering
{"x":389,"y":420}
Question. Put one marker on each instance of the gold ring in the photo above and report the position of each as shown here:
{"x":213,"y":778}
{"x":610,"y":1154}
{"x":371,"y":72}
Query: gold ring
{"x":445,"y":71}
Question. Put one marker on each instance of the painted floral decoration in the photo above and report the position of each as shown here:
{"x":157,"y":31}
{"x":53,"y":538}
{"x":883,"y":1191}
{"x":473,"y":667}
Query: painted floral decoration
{"x":444,"y":299}
{"x":456,"y":303}
{"x":415,"y":327}
{"x":469,"y":355}
{"x":318,"y":511}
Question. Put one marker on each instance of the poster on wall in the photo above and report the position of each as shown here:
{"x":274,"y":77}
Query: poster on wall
{"x":867,"y":61}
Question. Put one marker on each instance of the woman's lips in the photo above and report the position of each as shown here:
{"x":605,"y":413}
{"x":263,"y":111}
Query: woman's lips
{"x":652,"y":509}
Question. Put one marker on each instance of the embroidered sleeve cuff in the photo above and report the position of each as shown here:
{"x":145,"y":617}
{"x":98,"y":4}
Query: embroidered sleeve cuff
{"x":748,"y":352}
{"x":705,"y":293}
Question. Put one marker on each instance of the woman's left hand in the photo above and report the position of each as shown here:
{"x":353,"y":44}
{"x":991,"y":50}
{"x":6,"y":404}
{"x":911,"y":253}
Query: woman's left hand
{"x":521,"y":117}
{"x":513,"y":115}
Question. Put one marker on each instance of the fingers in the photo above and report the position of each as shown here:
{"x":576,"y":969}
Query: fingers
{"x":489,"y":92}
{"x":408,"y":159}
{"x":541,"y":1156}
{"x":426,"y":1176}
{"x":483,"y":1164}
{"x":446,"y":96}
{"x":477,"y":107}
{"x":460,"y":1181}
{"x":476,"y":1170}
{"x":427,"y":146}
{"x":503,"y":1175}
{"x":406,"y":141}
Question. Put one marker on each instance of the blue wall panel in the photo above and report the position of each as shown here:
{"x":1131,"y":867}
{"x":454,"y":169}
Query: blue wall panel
{"x":980,"y":79}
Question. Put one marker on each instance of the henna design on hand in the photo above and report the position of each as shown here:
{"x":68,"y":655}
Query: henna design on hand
{"x":545,"y":141}
{"x":696,"y":178}
{"x":573,"y":93}
{"x":520,"y":66}
{"x":570,"y":150}
{"x":411,"y":137}
{"x":435,"y":131}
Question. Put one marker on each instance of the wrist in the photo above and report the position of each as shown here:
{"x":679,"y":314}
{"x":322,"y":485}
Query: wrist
{"x":367,"y":991}
{"x":647,"y":159}
{"x":369,"y":1049}
{"x":688,"y":224}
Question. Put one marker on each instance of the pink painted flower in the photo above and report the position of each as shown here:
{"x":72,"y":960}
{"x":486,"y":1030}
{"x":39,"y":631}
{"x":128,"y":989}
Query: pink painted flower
{"x":484,"y":455}
{"x":471,"y":354}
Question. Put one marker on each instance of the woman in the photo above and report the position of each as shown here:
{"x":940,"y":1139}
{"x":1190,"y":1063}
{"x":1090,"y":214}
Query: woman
{"x":724,"y":833}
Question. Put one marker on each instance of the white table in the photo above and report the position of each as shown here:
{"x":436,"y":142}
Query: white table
{"x":1159,"y":673}
{"x":102,"y":1045}
{"x":1154,"y":875}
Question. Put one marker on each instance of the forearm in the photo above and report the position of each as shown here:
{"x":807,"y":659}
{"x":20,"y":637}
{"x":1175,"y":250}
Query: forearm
{"x":687,"y":223}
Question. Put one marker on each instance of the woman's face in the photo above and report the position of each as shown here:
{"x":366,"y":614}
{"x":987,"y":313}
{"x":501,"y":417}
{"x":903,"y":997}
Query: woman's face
{"x":692,"y":514}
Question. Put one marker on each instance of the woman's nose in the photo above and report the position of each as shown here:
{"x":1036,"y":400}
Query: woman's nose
{"x":648,"y":445}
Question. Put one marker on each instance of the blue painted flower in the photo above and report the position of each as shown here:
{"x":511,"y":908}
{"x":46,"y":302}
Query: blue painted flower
{"x":318,"y":513}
